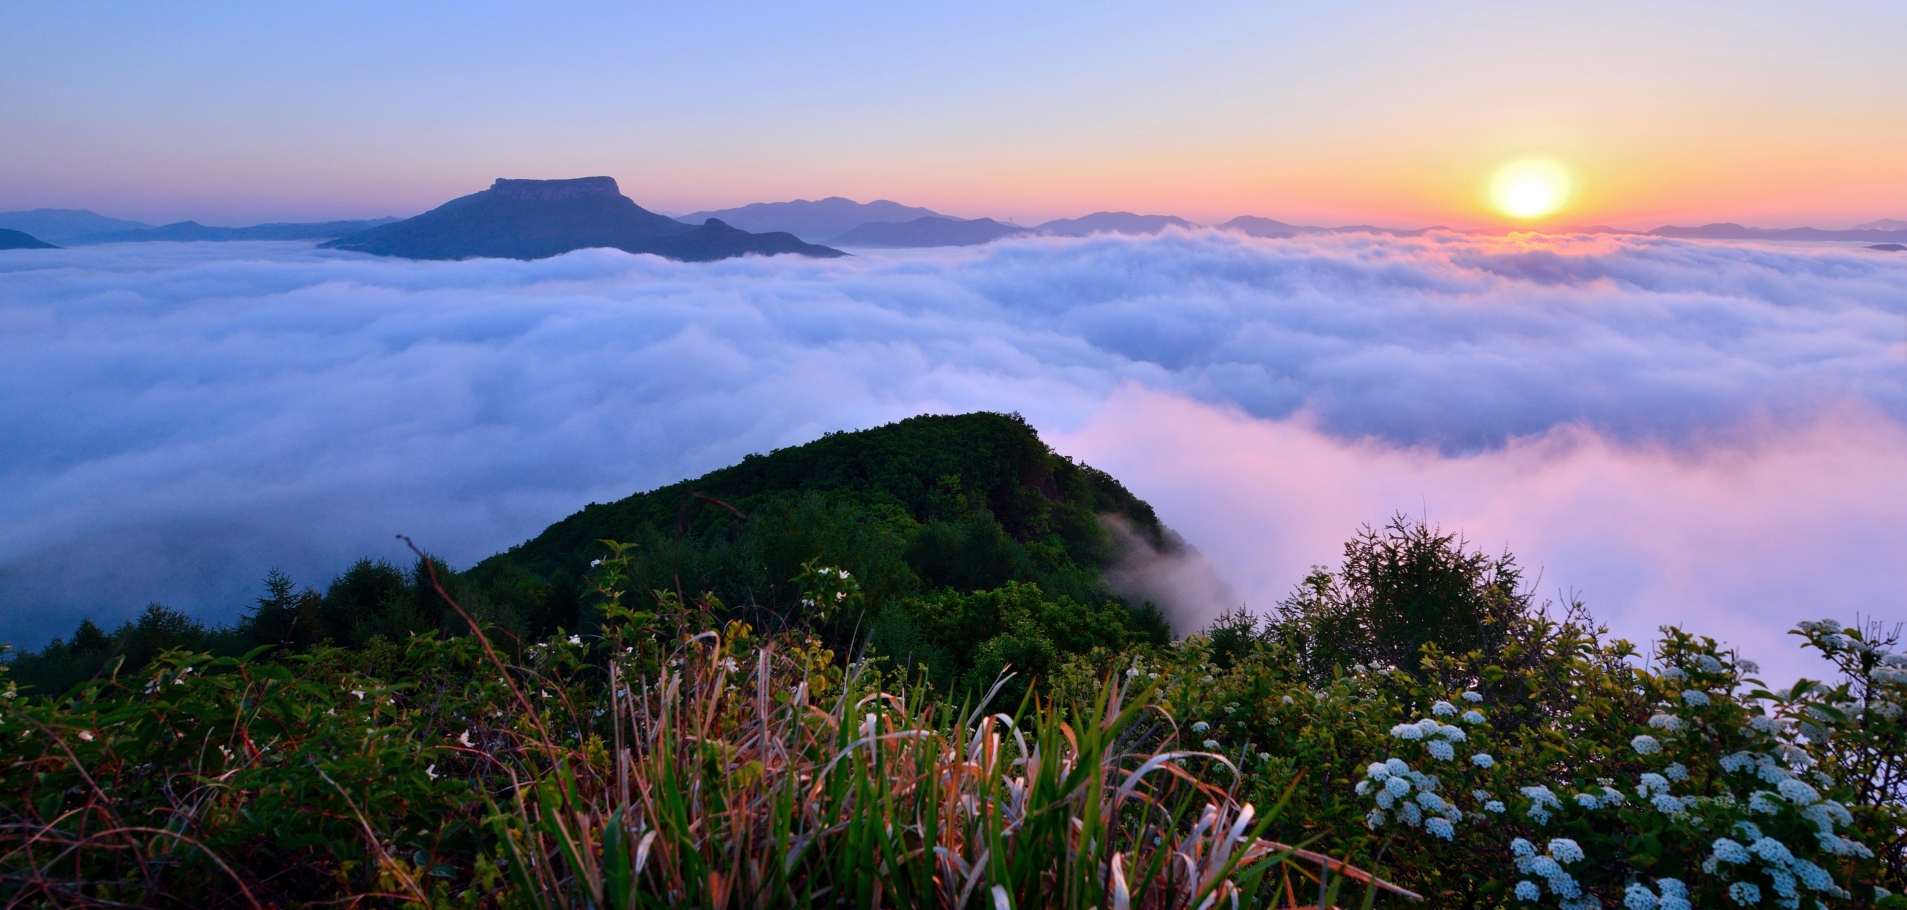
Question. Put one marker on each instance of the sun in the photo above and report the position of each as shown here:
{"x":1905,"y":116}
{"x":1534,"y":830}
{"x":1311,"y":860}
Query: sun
{"x":1529,"y":188}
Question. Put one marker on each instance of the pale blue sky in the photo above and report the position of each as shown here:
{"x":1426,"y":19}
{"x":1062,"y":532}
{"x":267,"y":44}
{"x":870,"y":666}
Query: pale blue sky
{"x":1781,"y":113}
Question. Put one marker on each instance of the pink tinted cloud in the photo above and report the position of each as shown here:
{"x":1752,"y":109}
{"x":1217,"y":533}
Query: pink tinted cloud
{"x":1737,"y":538}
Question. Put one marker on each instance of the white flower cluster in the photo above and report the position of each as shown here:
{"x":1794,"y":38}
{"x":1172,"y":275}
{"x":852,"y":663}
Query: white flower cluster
{"x":1542,"y":802}
{"x":1548,"y":866}
{"x":1437,"y":737}
{"x":1673,"y":895}
{"x":1411,"y":796}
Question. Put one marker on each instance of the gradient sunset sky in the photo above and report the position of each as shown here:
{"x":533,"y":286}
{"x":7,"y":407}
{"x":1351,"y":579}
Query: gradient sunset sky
{"x":1774,"y":114}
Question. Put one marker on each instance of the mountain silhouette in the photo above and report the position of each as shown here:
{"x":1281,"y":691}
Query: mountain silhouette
{"x":814,"y":221}
{"x":1885,"y":224}
{"x":1732,"y":231}
{"x":932,"y":230}
{"x":536,"y":219}
{"x":60,"y":224}
{"x":192,"y":231}
{"x":715,"y":240}
{"x":1265,"y":227}
{"x":20,"y":240}
{"x":1113,"y":223}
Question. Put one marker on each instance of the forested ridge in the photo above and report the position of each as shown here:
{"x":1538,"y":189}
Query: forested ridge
{"x":920,"y":512}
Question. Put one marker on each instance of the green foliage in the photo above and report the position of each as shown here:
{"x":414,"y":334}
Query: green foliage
{"x":643,"y":768}
{"x":794,"y":682}
{"x":967,"y":503}
{"x":1404,"y":587}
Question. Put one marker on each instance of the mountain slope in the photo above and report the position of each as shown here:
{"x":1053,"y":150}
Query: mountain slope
{"x":1113,"y":223}
{"x":1732,"y":231}
{"x":58,"y":224}
{"x":932,"y":230}
{"x":20,"y":240}
{"x":959,"y":503}
{"x":715,"y":240}
{"x":535,"y":219}
{"x":814,"y":221}
{"x":1265,"y":227}
{"x":193,"y":232}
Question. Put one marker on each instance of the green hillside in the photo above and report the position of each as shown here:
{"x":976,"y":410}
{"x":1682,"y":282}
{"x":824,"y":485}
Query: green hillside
{"x":968,"y":542}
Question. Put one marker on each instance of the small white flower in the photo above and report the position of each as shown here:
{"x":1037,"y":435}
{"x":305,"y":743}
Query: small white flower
{"x":1442,"y":751}
{"x":1644,"y":744}
{"x":595,"y":562}
{"x":1472,"y":696}
{"x":86,"y":735}
{"x":1694,"y":697}
{"x":1473,"y":717}
{"x":1211,"y":744}
{"x":1565,"y":850}
{"x":575,"y":639}
{"x":431,"y":771}
{"x":1443,"y":709}
{"x":359,"y":693}
{"x":1201,"y":727}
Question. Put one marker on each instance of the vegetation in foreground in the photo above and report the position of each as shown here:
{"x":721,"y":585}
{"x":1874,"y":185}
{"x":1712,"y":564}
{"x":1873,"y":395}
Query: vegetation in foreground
{"x":1414,"y":712}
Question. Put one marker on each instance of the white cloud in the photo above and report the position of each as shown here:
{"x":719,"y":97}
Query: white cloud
{"x":182,"y":417}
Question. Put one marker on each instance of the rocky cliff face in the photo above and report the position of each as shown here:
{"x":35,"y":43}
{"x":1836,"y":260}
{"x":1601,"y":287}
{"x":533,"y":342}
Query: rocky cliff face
{"x":550,"y":190}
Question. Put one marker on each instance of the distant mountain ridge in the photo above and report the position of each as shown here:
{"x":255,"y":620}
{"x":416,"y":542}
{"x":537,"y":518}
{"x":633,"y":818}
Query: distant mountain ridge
{"x":1265,"y":227}
{"x":194,"y":232}
{"x":815,"y":221}
{"x":932,"y":230}
{"x":1732,"y":231}
{"x":536,"y":219}
{"x":1113,"y":223}
{"x":59,"y":224}
{"x":20,"y":240}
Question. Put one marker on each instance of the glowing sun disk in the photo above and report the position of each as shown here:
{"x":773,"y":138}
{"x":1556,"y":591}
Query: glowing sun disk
{"x":1530,"y":188}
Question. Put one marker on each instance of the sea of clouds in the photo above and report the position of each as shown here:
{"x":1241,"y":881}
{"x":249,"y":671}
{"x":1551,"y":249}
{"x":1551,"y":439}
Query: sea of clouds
{"x":1706,"y":433}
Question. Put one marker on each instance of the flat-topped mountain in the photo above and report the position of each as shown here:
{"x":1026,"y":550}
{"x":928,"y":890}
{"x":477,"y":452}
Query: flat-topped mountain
{"x":815,"y":221}
{"x":1113,"y":223}
{"x":536,"y":219}
{"x":194,"y":232}
{"x":56,"y":225}
{"x":932,"y":230}
{"x":20,"y":240}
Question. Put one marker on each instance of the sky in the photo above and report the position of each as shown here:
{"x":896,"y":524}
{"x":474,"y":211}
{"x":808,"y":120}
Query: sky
{"x":1674,"y":431}
{"x":1769,"y":113}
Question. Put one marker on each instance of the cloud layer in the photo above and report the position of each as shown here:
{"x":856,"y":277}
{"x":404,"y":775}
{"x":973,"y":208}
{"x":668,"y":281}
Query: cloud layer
{"x":184,"y":416}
